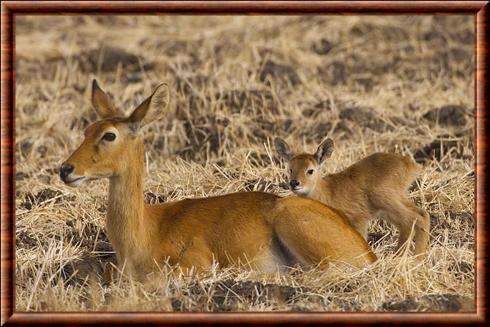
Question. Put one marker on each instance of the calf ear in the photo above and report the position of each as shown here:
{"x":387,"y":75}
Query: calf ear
{"x":102,"y":103}
{"x":282,"y":148}
{"x":324,"y":150}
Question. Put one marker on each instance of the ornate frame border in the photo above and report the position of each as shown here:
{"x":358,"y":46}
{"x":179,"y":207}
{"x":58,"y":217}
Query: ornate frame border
{"x":9,"y":9}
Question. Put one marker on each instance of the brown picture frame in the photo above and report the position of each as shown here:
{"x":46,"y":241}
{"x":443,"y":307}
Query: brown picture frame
{"x":9,"y":9}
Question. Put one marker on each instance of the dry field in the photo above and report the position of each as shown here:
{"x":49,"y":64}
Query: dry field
{"x":394,"y":84}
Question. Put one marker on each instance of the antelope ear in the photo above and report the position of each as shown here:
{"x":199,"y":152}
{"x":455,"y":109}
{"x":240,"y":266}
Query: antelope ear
{"x":282,"y":148}
{"x":324,"y":150}
{"x":102,"y":103}
{"x":152,"y":108}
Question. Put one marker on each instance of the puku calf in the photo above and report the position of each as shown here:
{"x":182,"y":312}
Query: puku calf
{"x":376,"y":183}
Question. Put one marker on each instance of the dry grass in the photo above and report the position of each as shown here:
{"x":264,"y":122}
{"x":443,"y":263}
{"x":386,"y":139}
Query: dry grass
{"x":394,"y":84}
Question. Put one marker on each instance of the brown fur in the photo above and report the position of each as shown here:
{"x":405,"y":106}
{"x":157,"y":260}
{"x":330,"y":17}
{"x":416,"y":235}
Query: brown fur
{"x":231,"y":229}
{"x":376,"y":183}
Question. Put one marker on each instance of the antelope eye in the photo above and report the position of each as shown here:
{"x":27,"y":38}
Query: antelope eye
{"x":310,"y":171}
{"x":109,"y":137}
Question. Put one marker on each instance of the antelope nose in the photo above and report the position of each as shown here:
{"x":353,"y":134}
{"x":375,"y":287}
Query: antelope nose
{"x":293,"y":183}
{"x":65,"y":170}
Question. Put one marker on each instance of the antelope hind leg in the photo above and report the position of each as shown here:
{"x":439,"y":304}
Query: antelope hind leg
{"x":315,"y":234}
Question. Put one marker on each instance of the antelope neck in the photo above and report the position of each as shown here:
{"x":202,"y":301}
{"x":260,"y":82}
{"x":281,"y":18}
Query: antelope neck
{"x":126,"y":208}
{"x":321,"y":191}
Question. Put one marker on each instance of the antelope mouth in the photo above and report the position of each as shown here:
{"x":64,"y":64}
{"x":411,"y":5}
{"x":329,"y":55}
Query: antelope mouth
{"x":299,"y":190}
{"x":75,"y":181}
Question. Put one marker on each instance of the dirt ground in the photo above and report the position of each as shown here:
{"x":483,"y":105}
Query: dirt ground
{"x":395,"y":84}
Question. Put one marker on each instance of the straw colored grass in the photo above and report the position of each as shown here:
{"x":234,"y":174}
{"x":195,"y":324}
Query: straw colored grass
{"x":395,"y":84}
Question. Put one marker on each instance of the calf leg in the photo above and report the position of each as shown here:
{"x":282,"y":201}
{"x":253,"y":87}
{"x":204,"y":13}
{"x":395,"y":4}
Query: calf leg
{"x":405,"y":232}
{"x":422,"y":227}
{"x":405,"y":215}
{"x":361,"y":225}
{"x":358,"y":217}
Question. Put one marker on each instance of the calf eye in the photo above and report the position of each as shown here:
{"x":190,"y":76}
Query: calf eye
{"x":310,"y":171}
{"x":109,"y":137}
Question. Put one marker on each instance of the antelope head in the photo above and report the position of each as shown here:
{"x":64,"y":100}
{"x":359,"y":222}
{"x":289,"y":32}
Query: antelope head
{"x":304,"y":168}
{"x":111,"y":141}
